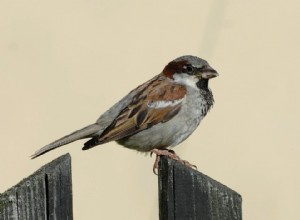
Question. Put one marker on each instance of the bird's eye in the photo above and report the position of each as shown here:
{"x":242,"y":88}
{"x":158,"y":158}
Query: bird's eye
{"x":189,"y":69}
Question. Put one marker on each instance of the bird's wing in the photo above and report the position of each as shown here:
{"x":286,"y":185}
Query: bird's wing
{"x":157,"y":102}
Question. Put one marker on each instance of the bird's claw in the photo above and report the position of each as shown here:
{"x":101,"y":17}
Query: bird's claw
{"x":172,"y":155}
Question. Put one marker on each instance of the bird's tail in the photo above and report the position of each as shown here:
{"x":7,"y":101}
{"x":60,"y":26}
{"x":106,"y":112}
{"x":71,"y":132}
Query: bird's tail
{"x":85,"y":132}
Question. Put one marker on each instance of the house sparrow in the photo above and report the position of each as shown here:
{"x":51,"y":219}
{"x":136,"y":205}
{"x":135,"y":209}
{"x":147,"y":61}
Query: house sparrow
{"x":157,"y":115}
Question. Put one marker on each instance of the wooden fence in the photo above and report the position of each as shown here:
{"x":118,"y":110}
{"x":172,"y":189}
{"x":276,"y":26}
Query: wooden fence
{"x":184,"y":194}
{"x":46,"y":194}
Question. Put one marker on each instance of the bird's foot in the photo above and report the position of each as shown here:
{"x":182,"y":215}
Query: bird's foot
{"x":168,"y":153}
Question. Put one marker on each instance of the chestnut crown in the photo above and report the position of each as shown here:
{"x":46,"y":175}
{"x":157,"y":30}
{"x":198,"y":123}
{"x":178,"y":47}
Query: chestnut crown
{"x":190,"y":65}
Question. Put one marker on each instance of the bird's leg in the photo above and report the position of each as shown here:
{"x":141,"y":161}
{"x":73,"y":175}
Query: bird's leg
{"x":168,"y":153}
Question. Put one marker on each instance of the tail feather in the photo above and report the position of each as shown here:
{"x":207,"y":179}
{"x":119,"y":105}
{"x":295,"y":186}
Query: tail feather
{"x":80,"y":134}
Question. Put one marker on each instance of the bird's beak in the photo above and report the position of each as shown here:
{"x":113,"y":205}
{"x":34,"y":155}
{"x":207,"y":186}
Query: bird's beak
{"x":207,"y":72}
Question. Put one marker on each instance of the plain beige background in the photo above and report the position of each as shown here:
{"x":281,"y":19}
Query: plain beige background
{"x":63,"y":63}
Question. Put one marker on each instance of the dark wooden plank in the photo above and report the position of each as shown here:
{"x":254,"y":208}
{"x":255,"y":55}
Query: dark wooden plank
{"x":185,"y":193}
{"x":8,"y":205}
{"x":46,"y":194}
{"x":59,"y":190}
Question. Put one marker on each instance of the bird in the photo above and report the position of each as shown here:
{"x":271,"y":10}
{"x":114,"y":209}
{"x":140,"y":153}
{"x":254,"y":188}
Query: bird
{"x":156,"y":116}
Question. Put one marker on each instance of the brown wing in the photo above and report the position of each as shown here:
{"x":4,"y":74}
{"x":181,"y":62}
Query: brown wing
{"x":157,"y":102}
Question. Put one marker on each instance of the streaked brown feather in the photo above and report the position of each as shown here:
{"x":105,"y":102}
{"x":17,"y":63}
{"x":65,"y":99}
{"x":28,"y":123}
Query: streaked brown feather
{"x":138,"y":116}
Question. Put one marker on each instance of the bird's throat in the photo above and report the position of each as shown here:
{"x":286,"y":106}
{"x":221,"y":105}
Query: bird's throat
{"x":202,"y":84}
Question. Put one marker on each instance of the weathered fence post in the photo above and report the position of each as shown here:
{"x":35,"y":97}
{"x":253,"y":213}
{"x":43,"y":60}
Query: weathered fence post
{"x":186,"y":194}
{"x":46,"y":194}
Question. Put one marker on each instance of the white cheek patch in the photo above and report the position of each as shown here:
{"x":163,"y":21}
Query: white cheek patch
{"x":164,"y":104}
{"x":186,"y":79}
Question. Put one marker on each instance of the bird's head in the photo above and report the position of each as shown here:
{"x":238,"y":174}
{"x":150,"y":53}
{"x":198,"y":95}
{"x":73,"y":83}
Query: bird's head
{"x":190,"y":70}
